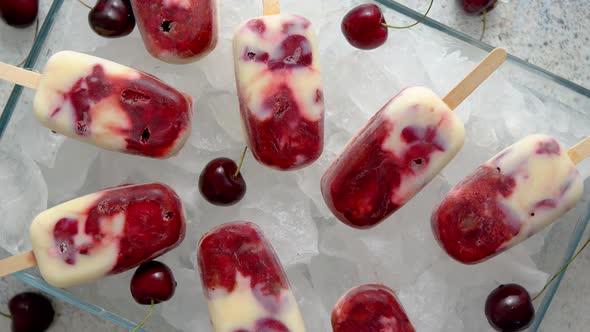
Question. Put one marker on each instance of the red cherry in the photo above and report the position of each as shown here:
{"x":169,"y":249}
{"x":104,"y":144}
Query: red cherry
{"x":112,"y":18}
{"x":478,"y":6}
{"x":19,"y":13}
{"x":31,"y":312}
{"x":509,"y":308}
{"x":219,"y":183}
{"x":363,"y":27}
{"x":152,"y":281}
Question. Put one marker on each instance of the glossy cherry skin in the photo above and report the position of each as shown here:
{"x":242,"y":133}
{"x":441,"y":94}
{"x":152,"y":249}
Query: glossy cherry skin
{"x":509,"y":308}
{"x":31,"y":312}
{"x":478,"y":6}
{"x":152,"y":281}
{"x":363,"y":27}
{"x":219,"y":186}
{"x":19,"y":13}
{"x":112,"y":18}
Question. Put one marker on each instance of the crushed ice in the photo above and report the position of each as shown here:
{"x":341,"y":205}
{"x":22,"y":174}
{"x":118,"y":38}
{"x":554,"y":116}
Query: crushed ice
{"x":322,"y":257}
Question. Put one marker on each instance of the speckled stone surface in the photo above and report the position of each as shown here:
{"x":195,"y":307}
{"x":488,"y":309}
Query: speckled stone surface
{"x":551,"y":34}
{"x":569,"y":310}
{"x":554,"y":35}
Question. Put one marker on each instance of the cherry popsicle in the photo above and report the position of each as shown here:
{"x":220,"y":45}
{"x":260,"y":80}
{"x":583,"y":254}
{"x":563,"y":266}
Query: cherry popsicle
{"x":106,"y":104}
{"x":177,"y":31}
{"x":398,"y":152}
{"x":280,"y":88}
{"x":101,"y":234}
{"x":244,"y":283}
{"x":370,"y":308}
{"x":510,"y":198}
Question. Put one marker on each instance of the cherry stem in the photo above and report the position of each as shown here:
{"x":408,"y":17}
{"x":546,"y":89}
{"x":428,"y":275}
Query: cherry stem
{"x":5,"y":315}
{"x":484,"y":21}
{"x":85,"y":4}
{"x":413,"y":24}
{"x":562,"y":269}
{"x":147,"y":317}
{"x":35,"y":37}
{"x":241,"y":162}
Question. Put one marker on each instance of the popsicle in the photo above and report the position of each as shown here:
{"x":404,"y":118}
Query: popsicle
{"x":370,"y":308}
{"x":177,"y":31}
{"x":399,"y":151}
{"x":107,"y":104}
{"x":280,"y":88}
{"x":101,"y":234}
{"x":509,"y":198}
{"x":244,"y":282}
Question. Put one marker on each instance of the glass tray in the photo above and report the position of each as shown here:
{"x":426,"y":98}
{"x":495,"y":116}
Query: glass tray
{"x":561,"y":240}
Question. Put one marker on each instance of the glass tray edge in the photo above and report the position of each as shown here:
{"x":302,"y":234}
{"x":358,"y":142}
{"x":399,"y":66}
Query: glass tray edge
{"x":466,"y":38}
{"x":124,"y":323}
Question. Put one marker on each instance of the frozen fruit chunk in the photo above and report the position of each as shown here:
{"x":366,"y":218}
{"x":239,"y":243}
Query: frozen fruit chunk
{"x":408,"y":142}
{"x":509,"y":198}
{"x":177,"y":31}
{"x":107,"y":232}
{"x":112,"y":106}
{"x":280,"y":90}
{"x":370,"y":308}
{"x":245,"y":285}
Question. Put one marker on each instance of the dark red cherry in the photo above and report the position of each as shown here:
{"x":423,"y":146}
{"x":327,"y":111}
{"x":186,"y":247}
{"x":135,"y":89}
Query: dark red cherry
{"x":112,"y":18}
{"x":152,"y":281}
{"x":19,"y":13}
{"x":363,"y":27}
{"x":219,"y":184}
{"x":509,"y":308}
{"x":31,"y":312}
{"x":478,"y":6}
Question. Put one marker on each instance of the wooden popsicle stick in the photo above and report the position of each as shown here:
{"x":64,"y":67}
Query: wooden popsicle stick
{"x":271,"y":7}
{"x":580,"y":151}
{"x":17,"y":263}
{"x":19,"y":76}
{"x":475,"y":78}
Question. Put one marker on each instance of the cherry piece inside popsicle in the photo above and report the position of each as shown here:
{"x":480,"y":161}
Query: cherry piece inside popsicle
{"x":239,"y":268}
{"x":112,"y":106}
{"x":370,"y":308}
{"x":392,"y":158}
{"x":509,"y":198}
{"x":151,"y":110}
{"x":177,"y":31}
{"x":280,"y":92}
{"x":106,"y":233}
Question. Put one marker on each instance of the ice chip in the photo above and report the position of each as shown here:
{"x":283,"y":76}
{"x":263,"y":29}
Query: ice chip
{"x":23,"y":194}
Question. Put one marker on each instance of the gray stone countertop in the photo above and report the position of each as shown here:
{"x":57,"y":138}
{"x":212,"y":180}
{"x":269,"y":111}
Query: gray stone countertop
{"x":554,"y":35}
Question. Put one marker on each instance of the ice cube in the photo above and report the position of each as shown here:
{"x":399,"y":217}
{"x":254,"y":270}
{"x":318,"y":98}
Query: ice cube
{"x":218,"y":69}
{"x":218,"y":123}
{"x":333,"y":276}
{"x":283,"y":215}
{"x":23,"y":194}
{"x":234,"y":14}
{"x":70,"y":170}
{"x":36,"y":141}
{"x":315,"y":314}
{"x":484,"y":134}
{"x":187,"y":310}
{"x":429,"y":302}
